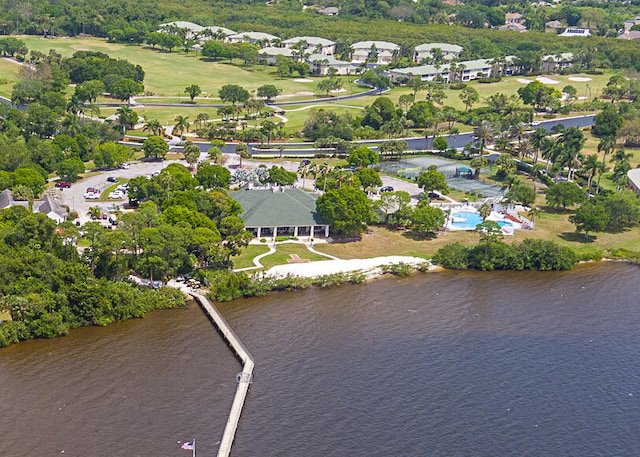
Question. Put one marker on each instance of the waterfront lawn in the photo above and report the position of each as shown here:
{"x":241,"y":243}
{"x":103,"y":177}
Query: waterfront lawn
{"x":283,"y":255}
{"x":245,"y":260}
{"x":381,"y":241}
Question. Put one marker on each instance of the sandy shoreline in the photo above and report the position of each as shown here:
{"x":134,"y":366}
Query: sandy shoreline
{"x":371,"y":267}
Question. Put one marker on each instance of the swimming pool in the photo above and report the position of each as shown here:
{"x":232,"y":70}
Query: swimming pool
{"x":467,"y":220}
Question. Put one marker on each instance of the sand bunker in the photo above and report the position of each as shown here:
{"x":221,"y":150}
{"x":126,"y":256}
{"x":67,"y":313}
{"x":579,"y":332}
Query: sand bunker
{"x":303,"y":80}
{"x":579,"y":79}
{"x":545,"y":80}
{"x":338,"y":91}
{"x":524,"y":81}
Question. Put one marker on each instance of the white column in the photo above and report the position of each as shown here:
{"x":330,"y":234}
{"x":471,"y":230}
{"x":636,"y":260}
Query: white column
{"x":326,"y":231}
{"x":295,"y":231}
{"x":275,"y":232}
{"x":258,"y":232}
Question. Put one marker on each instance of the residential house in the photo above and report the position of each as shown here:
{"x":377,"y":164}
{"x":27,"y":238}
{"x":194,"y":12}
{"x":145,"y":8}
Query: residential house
{"x":627,"y":33}
{"x":259,"y":38}
{"x":576,"y":33}
{"x":553,"y":26}
{"x":424,"y":51}
{"x":555,"y":62}
{"x":311,"y":44}
{"x":191,"y":29}
{"x":270,"y":55}
{"x":514,"y":21}
{"x":47,"y":205}
{"x":376,"y":52}
{"x":424,"y":72}
{"x":319,"y":64}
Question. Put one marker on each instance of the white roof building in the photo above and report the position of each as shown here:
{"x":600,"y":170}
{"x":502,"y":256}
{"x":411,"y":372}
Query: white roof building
{"x":252,"y":37}
{"x":424,"y":51}
{"x":320,"y":64}
{"x":315,"y":44}
{"x":634,"y":179}
{"x":270,"y":54}
{"x":214,"y":30}
{"x":576,"y":32}
{"x":365,"y":50}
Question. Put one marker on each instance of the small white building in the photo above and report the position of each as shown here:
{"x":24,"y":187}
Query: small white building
{"x":48,"y":205}
{"x":378,"y":52}
{"x":424,"y":51}
{"x":253,"y":37}
{"x":319,"y":64}
{"x":312,"y":44}
{"x":576,"y":33}
{"x":270,"y":55}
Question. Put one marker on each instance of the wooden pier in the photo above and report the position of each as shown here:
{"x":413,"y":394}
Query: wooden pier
{"x":243,"y":378}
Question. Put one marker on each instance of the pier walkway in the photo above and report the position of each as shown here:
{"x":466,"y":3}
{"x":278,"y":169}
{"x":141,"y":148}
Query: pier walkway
{"x":244,"y":378}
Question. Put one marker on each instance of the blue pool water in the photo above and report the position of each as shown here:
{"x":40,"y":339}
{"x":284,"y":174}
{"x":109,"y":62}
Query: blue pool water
{"x":471,"y":220}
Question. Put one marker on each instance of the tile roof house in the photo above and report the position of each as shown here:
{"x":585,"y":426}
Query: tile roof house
{"x":280,"y":212}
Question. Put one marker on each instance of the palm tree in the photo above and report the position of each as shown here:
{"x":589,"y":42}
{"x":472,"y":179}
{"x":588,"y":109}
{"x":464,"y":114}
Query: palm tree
{"x":154,"y":127}
{"x":181,"y":124}
{"x":94,"y":212}
{"x":268,"y":128}
{"x":518,"y":131}
{"x":533,"y":214}
{"x":591,"y":166}
{"x":484,"y":211}
{"x":509,"y":182}
{"x":303,"y":171}
{"x":324,"y":170}
{"x":537,"y":140}
{"x":201,"y":118}
{"x":243,"y":152}
{"x":191,"y":153}
{"x":483,"y":133}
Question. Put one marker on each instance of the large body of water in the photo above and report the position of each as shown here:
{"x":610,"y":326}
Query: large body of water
{"x":440,"y":364}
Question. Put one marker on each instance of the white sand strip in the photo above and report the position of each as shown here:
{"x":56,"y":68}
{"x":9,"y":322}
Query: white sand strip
{"x":328,"y":267}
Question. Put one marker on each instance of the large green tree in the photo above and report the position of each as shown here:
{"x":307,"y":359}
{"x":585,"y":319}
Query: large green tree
{"x":346,"y":209}
{"x":155,"y":147}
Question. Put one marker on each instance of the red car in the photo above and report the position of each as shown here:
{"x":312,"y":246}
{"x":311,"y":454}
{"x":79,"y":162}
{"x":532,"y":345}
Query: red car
{"x":63,"y":184}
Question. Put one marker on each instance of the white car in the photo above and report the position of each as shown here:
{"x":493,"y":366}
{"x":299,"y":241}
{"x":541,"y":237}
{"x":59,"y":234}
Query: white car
{"x":91,"y":196}
{"x":535,"y":123}
{"x":115,"y":195}
{"x":123,"y":166}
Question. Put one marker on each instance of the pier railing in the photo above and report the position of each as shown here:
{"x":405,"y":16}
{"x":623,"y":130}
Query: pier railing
{"x":244,"y":378}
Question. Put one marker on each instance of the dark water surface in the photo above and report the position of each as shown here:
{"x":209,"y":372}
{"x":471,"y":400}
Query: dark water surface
{"x":441,"y":364}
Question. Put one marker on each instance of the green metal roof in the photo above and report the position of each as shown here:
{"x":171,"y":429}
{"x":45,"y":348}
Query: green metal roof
{"x":275,"y":208}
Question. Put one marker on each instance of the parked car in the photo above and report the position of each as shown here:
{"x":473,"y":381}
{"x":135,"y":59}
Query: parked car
{"x":305,"y":162}
{"x":534,"y":123}
{"x":91,"y":196}
{"x":63,"y":184}
{"x":92,"y":190}
{"x":112,"y":179}
{"x":123,"y":166}
{"x":115,"y":195}
{"x":386,"y":189}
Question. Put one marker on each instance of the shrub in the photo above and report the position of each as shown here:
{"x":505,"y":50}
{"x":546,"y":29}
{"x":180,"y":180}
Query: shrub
{"x":399,"y":269}
{"x":457,"y":86}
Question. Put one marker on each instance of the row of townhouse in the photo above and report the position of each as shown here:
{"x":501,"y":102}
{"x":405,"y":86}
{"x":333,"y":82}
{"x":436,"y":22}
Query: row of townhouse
{"x":470,"y":70}
{"x":319,"y":54}
{"x":372,"y":52}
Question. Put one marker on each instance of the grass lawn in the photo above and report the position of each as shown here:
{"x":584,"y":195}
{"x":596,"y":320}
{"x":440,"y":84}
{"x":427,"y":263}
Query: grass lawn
{"x":167,"y":74}
{"x":283,"y":254}
{"x":104,"y":196}
{"x":380,"y":241}
{"x":8,"y":76}
{"x":245,"y":259}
